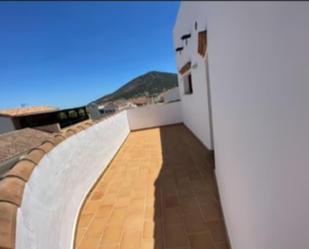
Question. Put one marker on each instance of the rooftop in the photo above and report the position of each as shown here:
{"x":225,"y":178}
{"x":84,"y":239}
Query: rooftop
{"x":27,"y":110}
{"x":158,"y":192}
{"x":17,"y":142}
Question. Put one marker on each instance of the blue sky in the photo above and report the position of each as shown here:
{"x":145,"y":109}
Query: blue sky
{"x":67,"y":54}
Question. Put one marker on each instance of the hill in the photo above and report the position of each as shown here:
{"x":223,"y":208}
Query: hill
{"x":149,"y":84}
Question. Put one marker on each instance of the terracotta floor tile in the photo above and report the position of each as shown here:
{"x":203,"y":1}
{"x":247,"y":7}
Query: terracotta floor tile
{"x":122,"y":201}
{"x":104,"y":211}
{"x":170,"y":201}
{"x":108,"y":247}
{"x":201,"y":241}
{"x":194,"y":223}
{"x":217,"y":230}
{"x":85,"y":219}
{"x":109,"y":199}
{"x":189,"y":206}
{"x":97,"y":195}
{"x":112,"y":235}
{"x":91,"y":207}
{"x":211,"y":211}
{"x":150,"y":213}
{"x":157,"y":193}
{"x":89,"y":242}
{"x":175,"y":236}
{"x":131,"y":239}
{"x":97,"y":226}
{"x":149,"y":230}
{"x":172,"y":215}
{"x":148,"y":244}
{"x":134,"y":220}
{"x":222,"y":245}
{"x":79,"y":236}
{"x":118,"y":216}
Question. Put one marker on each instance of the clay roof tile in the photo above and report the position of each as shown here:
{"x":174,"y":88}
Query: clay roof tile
{"x":8,"y":214}
{"x":22,"y":169}
{"x":11,"y":190}
{"x":35,"y":155}
{"x":47,"y":146}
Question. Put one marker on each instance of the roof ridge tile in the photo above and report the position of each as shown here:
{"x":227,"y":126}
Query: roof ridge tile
{"x":11,"y":190}
{"x":8,"y":216}
{"x":22,"y":169}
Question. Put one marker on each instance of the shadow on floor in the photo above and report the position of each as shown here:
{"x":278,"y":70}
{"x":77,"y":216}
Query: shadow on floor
{"x":187,"y":212}
{"x":159,"y":192}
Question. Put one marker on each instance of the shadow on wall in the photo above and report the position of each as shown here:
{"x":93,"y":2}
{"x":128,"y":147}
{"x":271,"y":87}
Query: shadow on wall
{"x":186,"y":210}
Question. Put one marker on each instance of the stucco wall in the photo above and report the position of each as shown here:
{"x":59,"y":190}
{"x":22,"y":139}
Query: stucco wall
{"x":154,"y":115}
{"x":59,"y":184}
{"x":6,"y":124}
{"x":258,"y":61}
{"x":195,"y":110}
{"x":171,"y":95}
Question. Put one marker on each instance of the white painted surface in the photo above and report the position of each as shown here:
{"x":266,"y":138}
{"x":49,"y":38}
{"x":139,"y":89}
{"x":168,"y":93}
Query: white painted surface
{"x":6,"y":125}
{"x":59,"y":184}
{"x":258,"y":61}
{"x":171,"y":95}
{"x":194,"y":106}
{"x":154,"y":115}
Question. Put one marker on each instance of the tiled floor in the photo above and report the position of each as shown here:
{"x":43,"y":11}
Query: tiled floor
{"x":158,"y":192}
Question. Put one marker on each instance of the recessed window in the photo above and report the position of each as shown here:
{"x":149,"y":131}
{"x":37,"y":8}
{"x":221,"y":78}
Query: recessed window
{"x":202,"y":42}
{"x":195,"y":25}
{"x":187,"y":81}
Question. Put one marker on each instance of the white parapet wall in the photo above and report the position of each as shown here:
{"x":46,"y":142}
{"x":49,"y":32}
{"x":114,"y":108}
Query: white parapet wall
{"x":154,"y":115}
{"x":59,"y":184}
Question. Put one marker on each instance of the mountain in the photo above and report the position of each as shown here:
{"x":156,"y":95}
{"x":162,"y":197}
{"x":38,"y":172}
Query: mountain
{"x":149,"y":84}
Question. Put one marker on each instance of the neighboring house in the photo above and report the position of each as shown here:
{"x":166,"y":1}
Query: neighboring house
{"x":93,"y":110}
{"x":9,"y":120}
{"x":45,"y":118}
{"x":169,"y":96}
{"x":14,"y":144}
{"x":127,"y":105}
{"x":106,"y":108}
{"x":140,"y":101}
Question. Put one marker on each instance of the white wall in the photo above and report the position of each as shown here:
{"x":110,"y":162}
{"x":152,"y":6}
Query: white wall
{"x":171,"y":95}
{"x":258,"y":62}
{"x":59,"y":184}
{"x":154,"y":115}
{"x":195,"y":109}
{"x":6,"y":124}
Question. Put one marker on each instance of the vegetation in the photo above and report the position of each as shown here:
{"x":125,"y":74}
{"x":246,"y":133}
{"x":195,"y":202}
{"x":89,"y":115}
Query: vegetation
{"x":149,"y":84}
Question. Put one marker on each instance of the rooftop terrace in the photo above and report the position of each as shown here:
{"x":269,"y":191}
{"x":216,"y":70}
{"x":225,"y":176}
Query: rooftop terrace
{"x":114,"y":184}
{"x":158,"y":192}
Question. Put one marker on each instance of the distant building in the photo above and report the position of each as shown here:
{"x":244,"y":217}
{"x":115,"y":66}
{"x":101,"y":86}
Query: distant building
{"x":44,"y":118}
{"x":93,"y":110}
{"x":169,"y":96}
{"x":127,"y":105}
{"x":140,"y":101}
{"x":109,"y":107}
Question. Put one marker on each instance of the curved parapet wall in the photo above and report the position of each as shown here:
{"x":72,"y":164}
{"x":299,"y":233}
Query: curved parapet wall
{"x":51,"y":183}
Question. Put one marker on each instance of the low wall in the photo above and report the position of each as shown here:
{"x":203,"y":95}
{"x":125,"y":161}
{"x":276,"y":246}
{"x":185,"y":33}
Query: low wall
{"x":154,"y":115}
{"x":60,"y":182}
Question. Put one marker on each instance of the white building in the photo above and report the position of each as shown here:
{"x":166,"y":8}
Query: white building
{"x":169,"y":96}
{"x":243,"y":81}
{"x":251,"y":89}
